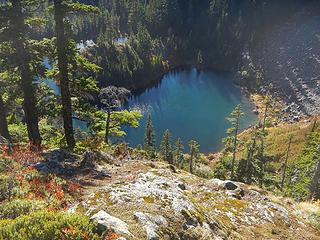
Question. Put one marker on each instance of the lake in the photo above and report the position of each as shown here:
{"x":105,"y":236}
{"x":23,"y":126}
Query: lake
{"x":192,"y":104}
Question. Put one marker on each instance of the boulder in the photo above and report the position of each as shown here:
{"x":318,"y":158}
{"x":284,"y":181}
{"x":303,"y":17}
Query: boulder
{"x":230,"y":185}
{"x":233,"y":188}
{"x":227,"y":185}
{"x":90,"y":159}
{"x":150,"y":223}
{"x":60,"y":155}
{"x":106,"y":221}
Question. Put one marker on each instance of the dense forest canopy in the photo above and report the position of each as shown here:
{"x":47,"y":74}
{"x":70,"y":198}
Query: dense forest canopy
{"x":164,"y":34}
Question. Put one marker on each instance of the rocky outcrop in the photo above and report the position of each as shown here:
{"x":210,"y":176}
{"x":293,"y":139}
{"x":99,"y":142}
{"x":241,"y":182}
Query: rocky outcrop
{"x":150,"y":223}
{"x":63,"y":163}
{"x":152,"y":202}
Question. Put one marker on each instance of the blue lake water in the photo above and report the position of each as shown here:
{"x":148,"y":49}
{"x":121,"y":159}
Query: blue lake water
{"x":192,"y":104}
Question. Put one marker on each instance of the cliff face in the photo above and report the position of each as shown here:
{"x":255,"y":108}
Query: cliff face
{"x":151,"y":200}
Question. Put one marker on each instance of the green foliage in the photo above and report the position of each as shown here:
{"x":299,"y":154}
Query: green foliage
{"x":301,"y":173}
{"x":222,"y":168}
{"x":7,"y":185}
{"x":232,"y":132}
{"x":194,"y":154}
{"x":18,"y":132}
{"x":249,"y":169}
{"x":124,"y":118}
{"x":166,"y":147}
{"x":52,"y":135}
{"x":48,"y":105}
{"x":204,"y":171}
{"x":231,"y":142}
{"x":17,"y":207}
{"x":43,"y":225}
{"x":150,"y":137}
{"x":83,"y":8}
{"x":178,"y":153}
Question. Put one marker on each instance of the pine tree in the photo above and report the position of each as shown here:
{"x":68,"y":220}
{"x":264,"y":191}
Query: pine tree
{"x":62,"y":51}
{"x":231,"y":141}
{"x":263,"y":135}
{"x":285,"y":166}
{"x":14,"y":29}
{"x":4,"y":132}
{"x":112,"y":98}
{"x":166,"y":148}
{"x":178,"y":153}
{"x":315,"y":182}
{"x":149,"y":138}
{"x":194,"y":154}
{"x":62,"y":29}
{"x":251,"y":157}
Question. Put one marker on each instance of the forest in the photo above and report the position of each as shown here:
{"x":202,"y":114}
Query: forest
{"x":69,"y":71}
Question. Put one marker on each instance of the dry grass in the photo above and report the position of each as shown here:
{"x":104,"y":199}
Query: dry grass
{"x":278,"y":138}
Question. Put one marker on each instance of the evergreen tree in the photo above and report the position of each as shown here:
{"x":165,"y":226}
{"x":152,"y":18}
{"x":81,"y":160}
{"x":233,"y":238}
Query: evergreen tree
{"x":14,"y":33}
{"x":149,"y":138}
{"x":194,"y":154}
{"x":315,"y":182}
{"x":178,"y":153}
{"x":4,"y":132}
{"x":285,"y":165}
{"x":303,"y":173}
{"x":166,"y":148}
{"x":263,"y":135}
{"x":62,"y":29}
{"x":112,"y":98}
{"x":62,"y":51}
{"x":251,"y":155}
{"x":231,"y":141}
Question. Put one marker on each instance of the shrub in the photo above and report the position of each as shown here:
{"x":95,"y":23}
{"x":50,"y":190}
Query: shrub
{"x":17,"y":207}
{"x":7,"y":184}
{"x":43,"y":225}
{"x":18,"y":133}
{"x":51,"y":136}
{"x":204,"y":171}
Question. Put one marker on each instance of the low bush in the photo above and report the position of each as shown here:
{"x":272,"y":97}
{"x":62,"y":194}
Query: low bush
{"x":204,"y":171}
{"x":17,"y":207}
{"x":44,"y":225}
{"x":7,"y":184}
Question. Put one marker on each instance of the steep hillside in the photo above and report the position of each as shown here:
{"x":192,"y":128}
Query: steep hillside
{"x":289,"y":55}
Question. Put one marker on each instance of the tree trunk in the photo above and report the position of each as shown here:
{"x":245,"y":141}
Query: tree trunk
{"x":314,"y":125}
{"x":29,"y":96}
{"x":235,"y":141}
{"x":62,"y":49}
{"x":286,"y":164}
{"x":107,"y":125}
{"x":250,"y":158}
{"x":191,"y":164}
{"x":262,"y":160}
{"x":4,"y":132}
